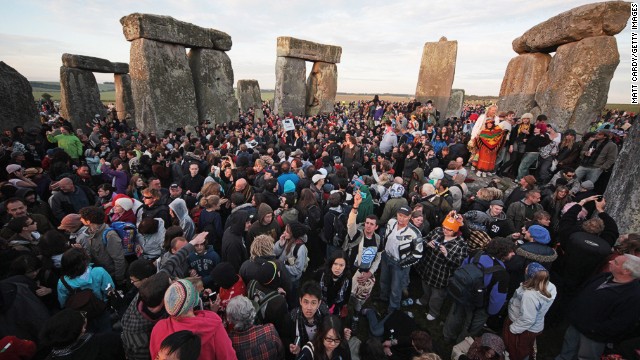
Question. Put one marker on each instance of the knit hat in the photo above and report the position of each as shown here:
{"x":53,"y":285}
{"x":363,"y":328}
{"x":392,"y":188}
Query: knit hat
{"x":298,"y":230}
{"x":396,"y":191}
{"x":539,"y":234}
{"x":587,"y":184}
{"x":530,"y":179}
{"x":493,"y":342}
{"x":527,"y":116}
{"x":263,"y":210}
{"x":125,"y":203}
{"x":533,"y":268}
{"x":452,"y":223}
{"x":224,"y":274}
{"x":289,"y":187}
{"x":70,"y":222}
{"x":317,"y":177}
{"x":18,"y":348}
{"x":436,"y":174}
{"x":180,"y":297}
{"x":12,"y":168}
{"x":268,"y":273}
{"x":497,"y":202}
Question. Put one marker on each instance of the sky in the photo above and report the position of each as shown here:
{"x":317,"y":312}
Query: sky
{"x":381,"y":41}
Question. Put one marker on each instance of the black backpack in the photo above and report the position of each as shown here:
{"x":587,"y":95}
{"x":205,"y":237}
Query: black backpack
{"x":466,"y":286}
{"x":83,"y":300}
{"x":339,"y":227}
{"x":260,"y":300}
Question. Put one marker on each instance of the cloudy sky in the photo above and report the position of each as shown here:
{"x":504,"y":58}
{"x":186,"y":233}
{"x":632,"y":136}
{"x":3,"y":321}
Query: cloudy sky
{"x":381,"y":40}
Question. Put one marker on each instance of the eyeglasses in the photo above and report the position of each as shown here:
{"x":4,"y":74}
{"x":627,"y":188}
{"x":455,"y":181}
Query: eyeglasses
{"x":147,"y":197}
{"x":332,"y":340}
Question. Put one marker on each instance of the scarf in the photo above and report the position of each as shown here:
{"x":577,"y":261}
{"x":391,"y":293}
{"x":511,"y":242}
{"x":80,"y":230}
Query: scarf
{"x":590,"y":160}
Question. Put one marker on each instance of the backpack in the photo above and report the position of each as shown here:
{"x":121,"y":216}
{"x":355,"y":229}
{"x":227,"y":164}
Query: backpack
{"x":127,"y":233}
{"x":339,"y":227}
{"x":260,"y":300}
{"x":83,"y":300}
{"x":299,"y":243}
{"x":466,"y":286}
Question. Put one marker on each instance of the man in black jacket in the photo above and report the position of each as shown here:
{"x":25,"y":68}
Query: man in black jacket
{"x":153,"y":208}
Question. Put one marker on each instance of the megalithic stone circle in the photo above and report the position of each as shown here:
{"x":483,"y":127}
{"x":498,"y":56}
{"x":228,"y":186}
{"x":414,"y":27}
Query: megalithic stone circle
{"x":308,"y":50}
{"x":574,"y":89}
{"x":124,"y":96}
{"x":322,"y":87}
{"x":17,"y":106}
{"x":249,"y":96}
{"x":598,"y":19}
{"x":290,"y":91}
{"x":456,"y":101}
{"x":520,"y":82}
{"x":213,"y":81}
{"x":94,"y":64}
{"x":623,"y":193}
{"x":79,"y":96}
{"x":162,"y":86}
{"x":437,"y":70}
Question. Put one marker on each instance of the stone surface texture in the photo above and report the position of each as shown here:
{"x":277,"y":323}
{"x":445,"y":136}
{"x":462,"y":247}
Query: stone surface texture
{"x":124,"y":96}
{"x":623,"y":192}
{"x":290,"y":91}
{"x":93,"y":64}
{"x":79,"y":96}
{"x":169,"y":30}
{"x":249,"y":96}
{"x":456,"y":101}
{"x":437,"y":70}
{"x":162,"y":86}
{"x":521,"y":79}
{"x":213,"y":81}
{"x":322,"y":86}
{"x":575,"y":88}
{"x":308,"y":50}
{"x":17,"y":106}
{"x":598,"y":19}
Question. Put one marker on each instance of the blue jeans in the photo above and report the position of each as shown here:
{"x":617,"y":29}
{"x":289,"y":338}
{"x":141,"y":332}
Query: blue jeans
{"x":527,"y":160}
{"x":462,"y":322}
{"x":392,"y":278}
{"x":578,"y":346}
{"x":584,"y":173}
{"x":376,"y":327}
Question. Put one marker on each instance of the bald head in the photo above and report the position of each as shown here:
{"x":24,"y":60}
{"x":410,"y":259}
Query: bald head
{"x":241,"y":184}
{"x":65,"y":185}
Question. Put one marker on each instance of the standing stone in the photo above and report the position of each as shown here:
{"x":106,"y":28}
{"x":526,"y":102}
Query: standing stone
{"x":456,"y":101}
{"x":290,"y":91}
{"x":79,"y":96}
{"x":518,"y":90}
{"x":308,"y":50}
{"x":162,"y":86}
{"x":124,"y":97}
{"x":249,"y":96}
{"x":604,"y":18}
{"x":322,"y":87}
{"x":574,"y":90}
{"x":213,"y":80}
{"x":17,"y":106}
{"x":623,"y":192}
{"x":437,"y":70}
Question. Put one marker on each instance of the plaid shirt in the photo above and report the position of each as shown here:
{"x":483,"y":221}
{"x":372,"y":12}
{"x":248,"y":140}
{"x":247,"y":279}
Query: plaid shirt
{"x":435,"y":268}
{"x":257,"y":342}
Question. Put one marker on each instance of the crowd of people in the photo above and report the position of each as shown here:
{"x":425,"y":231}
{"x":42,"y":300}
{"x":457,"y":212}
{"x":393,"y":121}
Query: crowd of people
{"x":338,"y":239}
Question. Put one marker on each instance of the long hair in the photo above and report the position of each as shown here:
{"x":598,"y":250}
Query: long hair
{"x":338,"y":254}
{"x":538,"y":282}
{"x":567,"y":142}
{"x":307,"y":198}
{"x":330,"y":322}
{"x":557,"y":202}
{"x":132,"y":188}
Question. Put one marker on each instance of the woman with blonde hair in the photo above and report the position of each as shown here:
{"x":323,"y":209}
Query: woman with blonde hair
{"x":527,"y":309}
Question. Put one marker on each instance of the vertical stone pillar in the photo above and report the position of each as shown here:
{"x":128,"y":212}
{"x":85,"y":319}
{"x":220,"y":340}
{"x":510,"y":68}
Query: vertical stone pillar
{"x":79,"y":96}
{"x":521,"y":79}
{"x":322,"y":87}
{"x":249,"y":96}
{"x":290,"y":88}
{"x":456,"y":101}
{"x":437,"y":70}
{"x":162,"y":86}
{"x":124,"y":97}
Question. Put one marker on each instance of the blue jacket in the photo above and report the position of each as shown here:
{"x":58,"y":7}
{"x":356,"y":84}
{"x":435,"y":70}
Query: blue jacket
{"x":497,"y":283}
{"x":203,"y":264}
{"x":95,"y":278}
{"x":283,"y":178}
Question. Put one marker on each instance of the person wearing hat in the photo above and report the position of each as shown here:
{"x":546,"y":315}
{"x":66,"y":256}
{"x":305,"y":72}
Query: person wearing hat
{"x":265,"y":224}
{"x":234,"y":248}
{"x":73,"y":227}
{"x":597,"y":155}
{"x":176,"y":192}
{"x":123,"y":210}
{"x":499,"y":226}
{"x":445,"y":251}
{"x":396,"y":200}
{"x":179,"y":301}
{"x":488,"y":143}
{"x":402,"y":250}
{"x":536,"y":248}
{"x":568,"y":151}
{"x":286,"y":174}
{"x":525,"y":184}
{"x":17,"y":178}
{"x":67,"y":141}
{"x":231,"y":285}
{"x":518,"y":140}
{"x":532,"y":148}
{"x":488,"y":346}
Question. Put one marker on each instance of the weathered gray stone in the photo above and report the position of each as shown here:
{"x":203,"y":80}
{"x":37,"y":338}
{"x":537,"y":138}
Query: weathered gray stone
{"x":124,"y":96}
{"x":308,"y":50}
{"x":249,"y":96}
{"x":169,"y":30}
{"x":322,"y":86}
{"x":79,"y":96}
{"x":604,"y":18}
{"x":574,"y":89}
{"x":437,"y":70}
{"x":162,"y":86}
{"x":521,"y":79}
{"x":213,"y":80}
{"x":456,"y":101}
{"x":17,"y":106}
{"x":290,"y":91}
{"x":623,"y":192}
{"x":93,"y":64}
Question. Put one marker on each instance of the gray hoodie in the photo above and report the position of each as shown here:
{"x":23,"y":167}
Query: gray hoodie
{"x":527,"y":309}
{"x":179,"y":208}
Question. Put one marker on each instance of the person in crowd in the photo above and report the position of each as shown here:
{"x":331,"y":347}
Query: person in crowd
{"x":335,"y":281}
{"x":538,"y":140}
{"x":69,"y":198}
{"x":328,"y":343}
{"x":265,"y":224}
{"x":234,"y":249}
{"x":183,"y":345}
{"x":597,"y":155}
{"x":534,"y":249}
{"x":210,"y":219}
{"x":153,"y":208}
{"x":178,"y":210}
{"x":522,"y":211}
{"x":151,"y":234}
{"x":488,"y":143}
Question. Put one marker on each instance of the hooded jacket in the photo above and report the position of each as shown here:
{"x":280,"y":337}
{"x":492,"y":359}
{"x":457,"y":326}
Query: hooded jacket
{"x":179,"y":208}
{"x":258,"y":228}
{"x":95,"y":278}
{"x":214,"y":341}
{"x":109,"y":256}
{"x":527,"y":309}
{"x":234,"y":250}
{"x":152,"y":243}
{"x":499,"y":226}
{"x":294,"y":263}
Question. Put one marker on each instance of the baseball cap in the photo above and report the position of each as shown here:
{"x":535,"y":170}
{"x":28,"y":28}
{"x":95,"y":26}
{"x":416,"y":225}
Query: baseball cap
{"x":13,"y":168}
{"x":404,"y":210}
{"x":317,"y":177}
